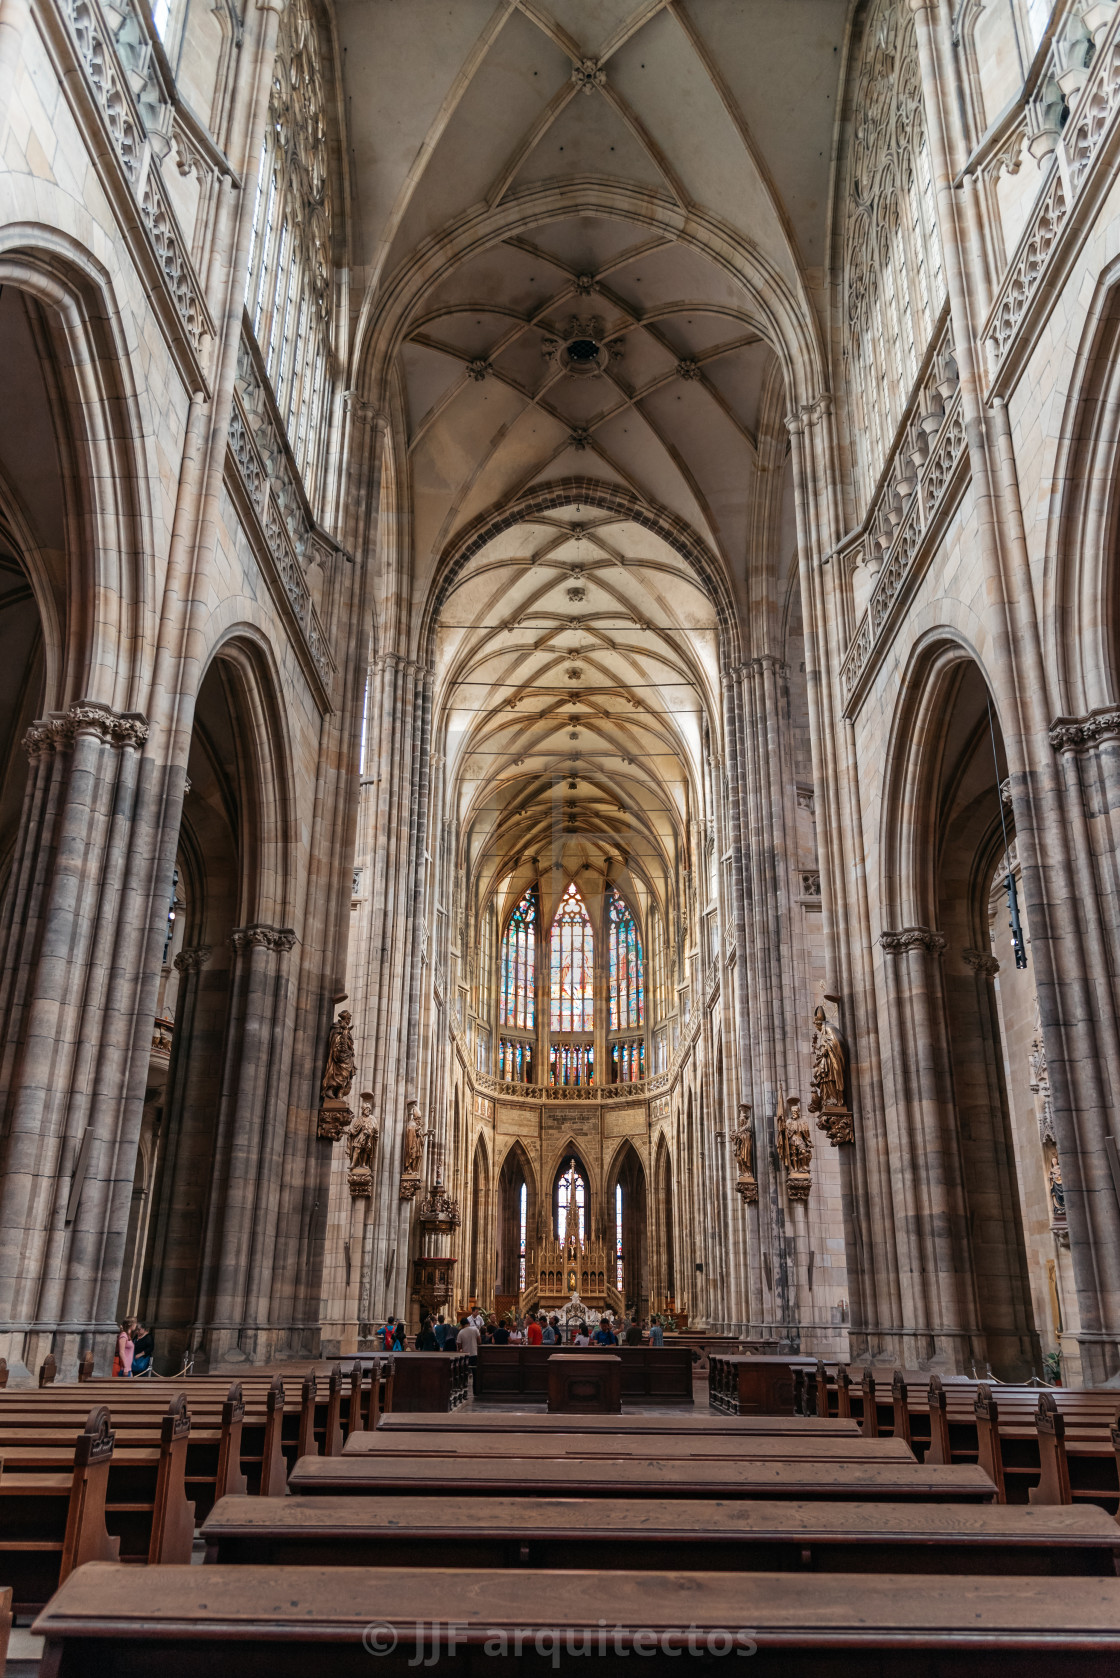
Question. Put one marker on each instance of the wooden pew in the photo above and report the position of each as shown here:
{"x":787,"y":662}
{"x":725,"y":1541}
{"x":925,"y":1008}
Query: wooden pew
{"x":488,"y":1447}
{"x":755,"y":1386}
{"x":896,"y":1481}
{"x":531,"y":1421}
{"x":5,"y":1625}
{"x":145,"y":1503}
{"x":283,"y":1622}
{"x":624,"y":1533}
{"x":225,"y":1445}
{"x":52,"y":1522}
{"x":650,"y":1374}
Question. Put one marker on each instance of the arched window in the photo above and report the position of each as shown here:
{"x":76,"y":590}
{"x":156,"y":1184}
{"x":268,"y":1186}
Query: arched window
{"x":571,"y":1204}
{"x":625,"y":966}
{"x":618,"y":1236}
{"x":524,"y":1211}
{"x":519,"y":966}
{"x":289,"y":284}
{"x":573,"y":965}
{"x":893,"y":282}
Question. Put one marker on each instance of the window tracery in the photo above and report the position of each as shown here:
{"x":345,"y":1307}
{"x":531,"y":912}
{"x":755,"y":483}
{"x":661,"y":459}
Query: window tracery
{"x":625,"y":954}
{"x":571,"y":1205}
{"x":519,"y":967}
{"x":289,"y":284}
{"x":893,"y":279}
{"x":573,"y":965}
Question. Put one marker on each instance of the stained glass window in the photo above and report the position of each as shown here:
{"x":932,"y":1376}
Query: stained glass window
{"x":618,"y":1237}
{"x":625,"y":967}
{"x":515,"y":1060}
{"x":573,"y":962}
{"x":628,"y":1060}
{"x":571,"y":1203}
{"x":519,"y":965}
{"x":571,"y":1063}
{"x":524,"y":1220}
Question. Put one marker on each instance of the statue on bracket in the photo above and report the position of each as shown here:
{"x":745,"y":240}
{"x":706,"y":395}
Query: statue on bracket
{"x":361,"y":1145}
{"x":334,"y":1111}
{"x":828,"y":1081}
{"x":795,"y":1145}
{"x":412,"y":1153}
{"x":742,"y":1140}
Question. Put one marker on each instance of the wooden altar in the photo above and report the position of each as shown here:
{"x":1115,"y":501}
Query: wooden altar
{"x":562,"y":1268}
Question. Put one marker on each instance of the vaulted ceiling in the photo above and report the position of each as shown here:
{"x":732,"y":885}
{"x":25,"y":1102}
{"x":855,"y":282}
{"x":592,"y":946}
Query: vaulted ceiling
{"x":589,"y":241}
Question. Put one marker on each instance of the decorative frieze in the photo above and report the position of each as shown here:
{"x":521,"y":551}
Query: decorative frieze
{"x":1093,"y":96}
{"x":913,"y":938}
{"x":1076,"y":734}
{"x":133,"y":142}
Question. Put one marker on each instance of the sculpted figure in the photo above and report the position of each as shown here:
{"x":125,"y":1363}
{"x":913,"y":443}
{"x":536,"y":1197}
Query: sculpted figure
{"x":1057,"y":1192}
{"x":361,"y":1139}
{"x":413,"y":1141}
{"x":743,"y":1142}
{"x":339,"y":1074}
{"x":829,"y":1064}
{"x":799,"y":1143}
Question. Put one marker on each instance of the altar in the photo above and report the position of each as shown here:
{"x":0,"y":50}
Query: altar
{"x":573,"y":1270}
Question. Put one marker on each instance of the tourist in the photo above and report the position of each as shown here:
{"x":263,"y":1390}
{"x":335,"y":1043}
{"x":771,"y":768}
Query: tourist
{"x":656,"y":1337}
{"x":500,"y":1335}
{"x":581,"y":1338}
{"x":478,"y":1319}
{"x":549,"y":1335}
{"x":467,"y":1341}
{"x":398,"y":1336}
{"x":144,"y":1345}
{"x":517,"y":1334}
{"x":533,"y":1334}
{"x":634,"y":1333}
{"x":126,"y":1350}
{"x":439,"y":1329}
{"x":605,"y":1335}
{"x":388,"y":1335}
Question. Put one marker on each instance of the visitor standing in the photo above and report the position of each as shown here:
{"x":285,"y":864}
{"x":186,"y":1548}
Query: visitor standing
{"x":126,"y":1351}
{"x":533,"y":1332}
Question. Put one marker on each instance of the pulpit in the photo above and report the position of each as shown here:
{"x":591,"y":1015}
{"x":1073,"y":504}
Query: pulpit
{"x":584,"y":1384}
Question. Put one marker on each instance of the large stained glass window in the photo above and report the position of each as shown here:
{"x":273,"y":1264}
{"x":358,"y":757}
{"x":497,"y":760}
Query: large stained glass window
{"x":618,"y":1237}
{"x":625,"y":966}
{"x":524,"y":1221}
{"x":519,"y":965}
{"x":573,"y":962}
{"x":571,"y":1204}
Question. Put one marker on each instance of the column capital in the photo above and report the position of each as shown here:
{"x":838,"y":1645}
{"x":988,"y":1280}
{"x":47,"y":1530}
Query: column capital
{"x":1074,"y":734}
{"x":278,"y":938}
{"x":913,"y":938}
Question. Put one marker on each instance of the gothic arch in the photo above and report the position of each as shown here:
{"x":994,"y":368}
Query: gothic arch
{"x":477,"y":1287}
{"x":1081,"y":579}
{"x":628,"y":1172}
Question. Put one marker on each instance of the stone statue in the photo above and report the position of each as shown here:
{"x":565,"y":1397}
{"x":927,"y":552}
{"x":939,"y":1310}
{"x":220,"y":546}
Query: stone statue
{"x":742,"y":1140}
{"x":413,"y":1153}
{"x":1057,"y":1192}
{"x":828,"y":1078}
{"x":795,"y":1146}
{"x":339,"y":1074}
{"x":413,"y":1140}
{"x":361,"y":1139}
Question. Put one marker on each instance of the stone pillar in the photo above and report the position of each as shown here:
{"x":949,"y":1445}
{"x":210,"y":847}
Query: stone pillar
{"x":75,"y":1023}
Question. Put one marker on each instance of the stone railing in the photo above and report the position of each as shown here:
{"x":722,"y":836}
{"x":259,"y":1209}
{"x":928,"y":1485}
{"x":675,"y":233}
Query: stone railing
{"x":922,"y":464}
{"x":286,"y":527}
{"x":1092,"y":95}
{"x":639,"y":1090}
{"x":138,"y":144}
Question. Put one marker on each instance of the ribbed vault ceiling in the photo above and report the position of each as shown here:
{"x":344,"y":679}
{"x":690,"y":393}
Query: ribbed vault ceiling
{"x":563,"y":215}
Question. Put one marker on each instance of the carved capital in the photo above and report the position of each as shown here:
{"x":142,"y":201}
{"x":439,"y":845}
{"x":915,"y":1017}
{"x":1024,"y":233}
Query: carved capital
{"x":798,"y":1184}
{"x":277,"y":938}
{"x":334,"y":1116}
{"x":838,"y":1125}
{"x":363,"y":412}
{"x":747,"y":1188}
{"x":58,"y":732}
{"x":193,"y":960}
{"x":1075,"y":734}
{"x":913,"y":938}
{"x":410,"y":1187}
{"x":360,"y":1180}
{"x":987,"y":965}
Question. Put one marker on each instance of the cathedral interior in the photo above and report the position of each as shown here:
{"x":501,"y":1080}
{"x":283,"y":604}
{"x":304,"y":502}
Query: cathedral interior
{"x":560,"y":675}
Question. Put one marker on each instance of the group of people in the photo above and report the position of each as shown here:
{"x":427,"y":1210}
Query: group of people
{"x":478,"y":1328}
{"x":135,"y":1348}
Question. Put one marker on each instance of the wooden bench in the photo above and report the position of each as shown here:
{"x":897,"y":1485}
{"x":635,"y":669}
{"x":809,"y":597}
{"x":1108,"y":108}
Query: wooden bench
{"x":531,"y":1421}
{"x":754,"y":1386}
{"x":226,"y":1452}
{"x":488,"y":1447}
{"x":282,"y":1622}
{"x":638,"y":1477}
{"x":429,"y":1381}
{"x":53,"y":1521}
{"x":650,"y":1374}
{"x":625,"y":1533}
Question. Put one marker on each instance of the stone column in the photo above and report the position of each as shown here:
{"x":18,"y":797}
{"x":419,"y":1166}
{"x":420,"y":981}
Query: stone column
{"x":75,"y":1023}
{"x":237,"y":1277}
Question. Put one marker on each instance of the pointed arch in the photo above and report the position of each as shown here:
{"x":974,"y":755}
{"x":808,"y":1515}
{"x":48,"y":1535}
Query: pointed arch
{"x":480,"y":1216}
{"x":571,"y":969}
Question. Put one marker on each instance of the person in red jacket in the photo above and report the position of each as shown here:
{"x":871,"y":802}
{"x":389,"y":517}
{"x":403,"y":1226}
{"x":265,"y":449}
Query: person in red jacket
{"x":533,"y":1332}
